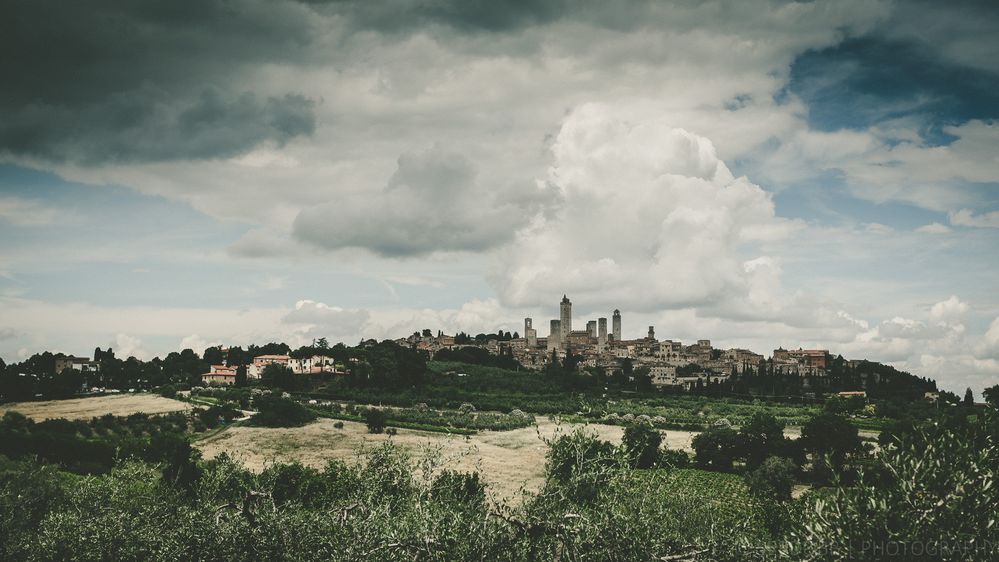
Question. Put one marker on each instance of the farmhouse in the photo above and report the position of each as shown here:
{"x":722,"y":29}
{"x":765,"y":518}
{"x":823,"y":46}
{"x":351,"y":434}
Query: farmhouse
{"x":220,"y":374}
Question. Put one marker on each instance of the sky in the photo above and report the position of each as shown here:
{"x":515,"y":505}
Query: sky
{"x":759,"y":173}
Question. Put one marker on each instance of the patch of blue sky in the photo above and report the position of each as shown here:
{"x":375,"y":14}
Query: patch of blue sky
{"x":869,"y":80}
{"x":111,"y":246}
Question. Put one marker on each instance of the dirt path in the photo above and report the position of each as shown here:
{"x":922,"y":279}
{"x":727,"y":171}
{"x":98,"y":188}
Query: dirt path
{"x":96,"y":406}
{"x":508,"y":461}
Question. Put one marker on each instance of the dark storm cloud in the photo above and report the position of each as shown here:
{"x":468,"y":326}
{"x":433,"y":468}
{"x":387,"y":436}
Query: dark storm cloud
{"x":471,"y":16}
{"x":465,"y":15}
{"x":152,"y":125}
{"x":142,"y":80}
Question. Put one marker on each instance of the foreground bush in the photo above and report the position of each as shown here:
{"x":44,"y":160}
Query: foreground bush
{"x":935,"y":490}
{"x":936,"y":497}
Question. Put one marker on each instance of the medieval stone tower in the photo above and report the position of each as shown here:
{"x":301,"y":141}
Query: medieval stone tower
{"x":565,"y":318}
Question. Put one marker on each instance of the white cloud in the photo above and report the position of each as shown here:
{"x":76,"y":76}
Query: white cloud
{"x":316,"y":319}
{"x":966,"y":217}
{"x":878,"y":228}
{"x":25,"y":212}
{"x":126,"y":346}
{"x":196,"y":343}
{"x":989,"y":346}
{"x":650,"y":218}
{"x":892,"y":163}
{"x":951,"y":310}
{"x":934,"y":228}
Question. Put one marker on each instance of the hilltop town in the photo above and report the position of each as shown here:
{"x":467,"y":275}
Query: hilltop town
{"x":598,"y":350}
{"x":669,"y":364}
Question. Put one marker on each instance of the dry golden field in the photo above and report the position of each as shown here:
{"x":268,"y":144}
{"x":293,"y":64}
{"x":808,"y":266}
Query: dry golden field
{"x":96,"y":406}
{"x":507,"y":460}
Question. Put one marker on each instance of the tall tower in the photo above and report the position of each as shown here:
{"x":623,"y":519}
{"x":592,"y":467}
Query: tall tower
{"x":527,"y":324}
{"x":601,"y":334}
{"x":591,"y":328}
{"x":565,"y":318}
{"x":616,"y":325}
{"x":652,"y":333}
{"x":530,"y":334}
{"x":555,"y":335}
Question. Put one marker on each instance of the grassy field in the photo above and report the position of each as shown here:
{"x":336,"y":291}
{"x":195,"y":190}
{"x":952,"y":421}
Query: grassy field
{"x":96,"y":406}
{"x":508,"y":460}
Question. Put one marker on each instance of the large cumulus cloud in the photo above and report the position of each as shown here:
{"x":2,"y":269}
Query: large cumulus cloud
{"x":650,"y":218}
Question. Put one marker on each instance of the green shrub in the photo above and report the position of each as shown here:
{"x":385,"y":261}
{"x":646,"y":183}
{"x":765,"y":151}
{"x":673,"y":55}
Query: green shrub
{"x":641,"y":445}
{"x":580,"y":463}
{"x":275,"y":411}
{"x":716,"y":449}
{"x":772,"y":480}
{"x":375,"y":419}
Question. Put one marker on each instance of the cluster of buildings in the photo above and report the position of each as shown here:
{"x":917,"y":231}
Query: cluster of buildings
{"x":82,"y":364}
{"x":670,"y":363}
{"x":315,"y":365}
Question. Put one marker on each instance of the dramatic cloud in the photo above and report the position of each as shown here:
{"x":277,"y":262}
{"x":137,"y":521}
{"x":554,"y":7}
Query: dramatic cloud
{"x":434,"y":202}
{"x":140,"y":81}
{"x":650,"y":218}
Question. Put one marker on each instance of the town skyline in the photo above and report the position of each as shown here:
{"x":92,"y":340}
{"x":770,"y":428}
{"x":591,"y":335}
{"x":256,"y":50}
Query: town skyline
{"x":667,"y":361}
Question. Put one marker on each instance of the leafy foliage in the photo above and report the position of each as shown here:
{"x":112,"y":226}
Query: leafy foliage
{"x":935,"y":498}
